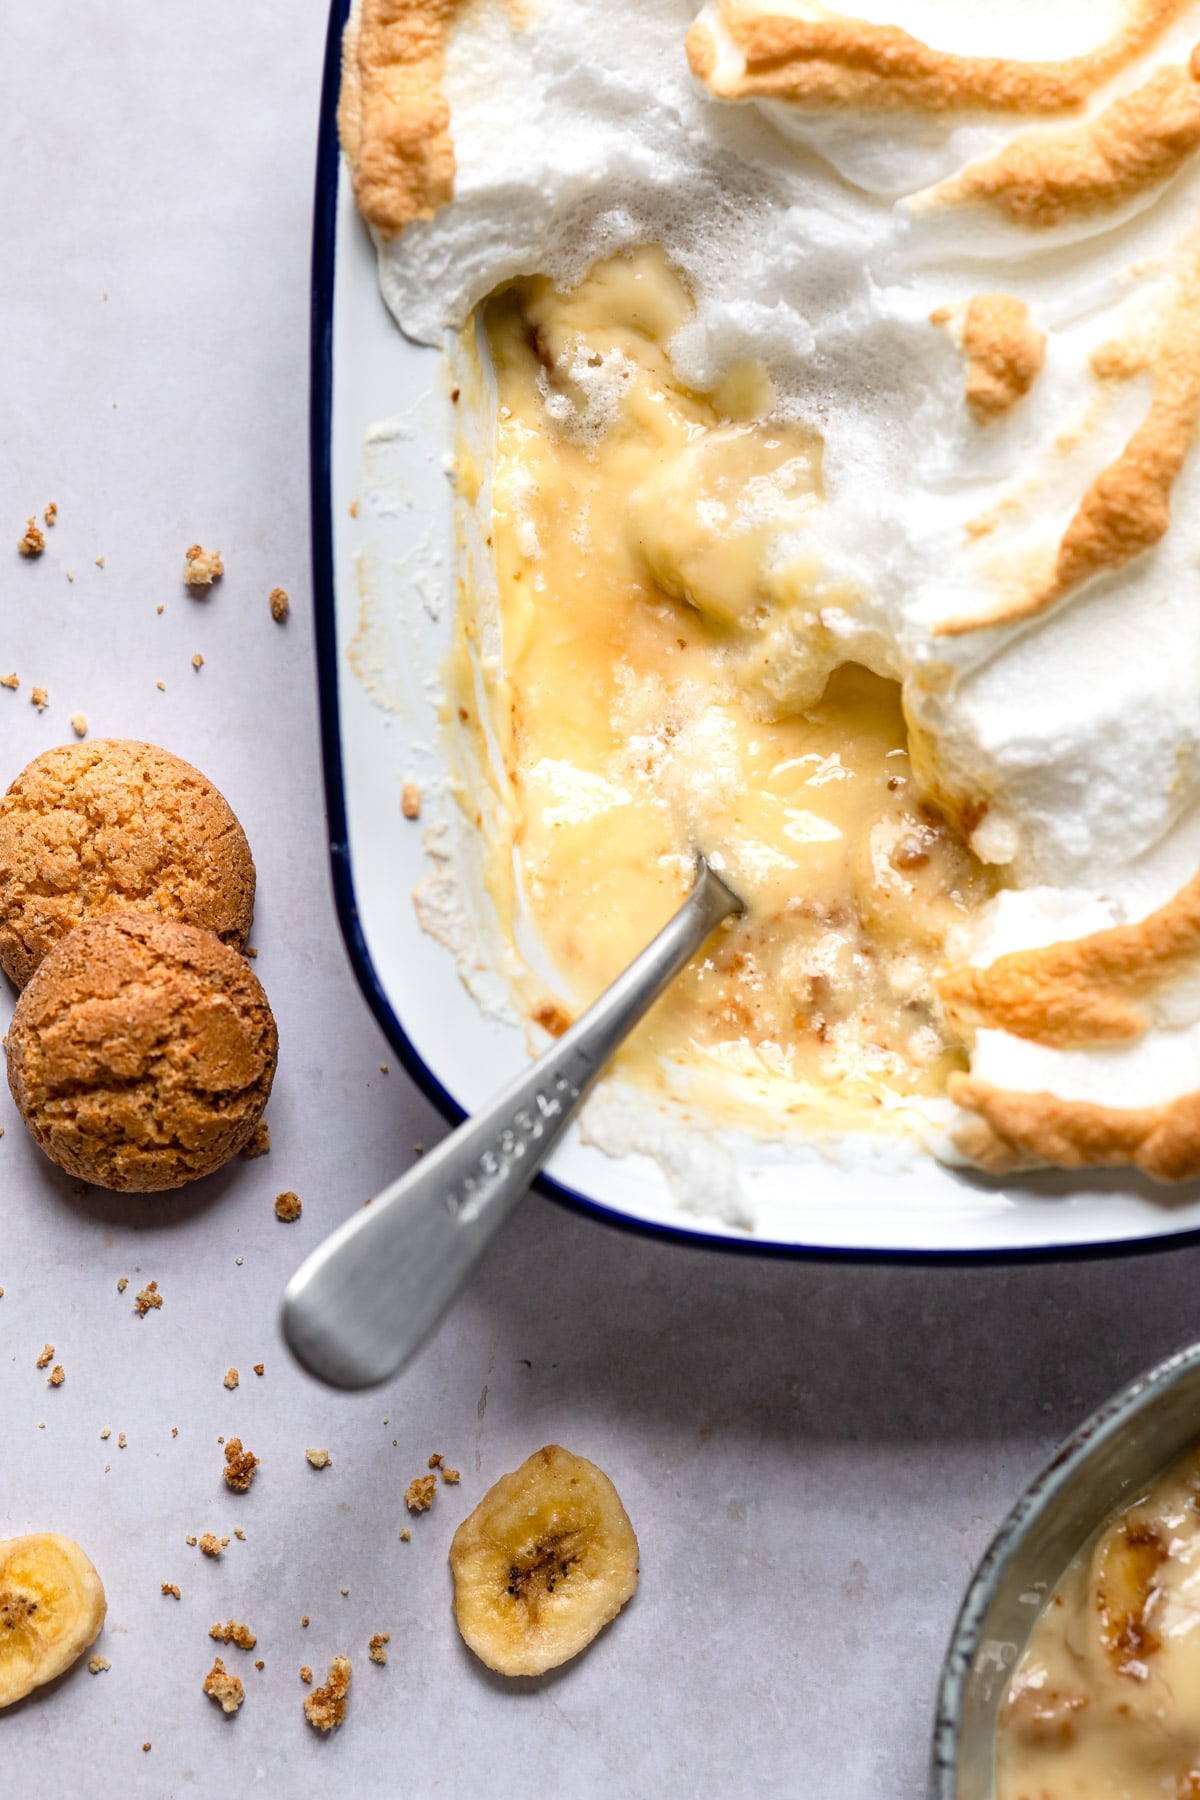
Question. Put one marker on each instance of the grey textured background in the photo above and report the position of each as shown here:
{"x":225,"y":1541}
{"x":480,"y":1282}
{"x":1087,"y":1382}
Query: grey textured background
{"x":813,"y":1456}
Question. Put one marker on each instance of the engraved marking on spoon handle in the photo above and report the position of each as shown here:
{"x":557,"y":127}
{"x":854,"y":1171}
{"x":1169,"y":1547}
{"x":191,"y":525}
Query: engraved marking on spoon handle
{"x":367,"y":1298}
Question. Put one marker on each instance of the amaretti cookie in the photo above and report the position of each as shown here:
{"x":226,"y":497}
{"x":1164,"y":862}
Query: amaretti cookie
{"x":112,"y":825}
{"x":141,"y":1053}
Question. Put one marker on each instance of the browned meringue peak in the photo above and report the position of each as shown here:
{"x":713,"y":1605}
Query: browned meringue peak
{"x":1086,"y":990}
{"x":1127,"y":508}
{"x":1007,"y":1132}
{"x":853,"y":63}
{"x":1004,"y":352}
{"x":393,"y":118}
{"x":1048,"y":178}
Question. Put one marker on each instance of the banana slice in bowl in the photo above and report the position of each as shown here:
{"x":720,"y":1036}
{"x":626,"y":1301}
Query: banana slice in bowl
{"x":547,"y":1558}
{"x":52,"y":1607}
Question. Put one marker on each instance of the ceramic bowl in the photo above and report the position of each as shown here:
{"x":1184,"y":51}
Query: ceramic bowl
{"x":1111,"y":1457}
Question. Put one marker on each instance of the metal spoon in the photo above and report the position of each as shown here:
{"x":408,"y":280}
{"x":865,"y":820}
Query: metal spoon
{"x":365,"y":1301}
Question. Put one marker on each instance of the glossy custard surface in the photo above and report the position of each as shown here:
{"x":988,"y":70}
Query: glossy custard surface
{"x":652,"y":576}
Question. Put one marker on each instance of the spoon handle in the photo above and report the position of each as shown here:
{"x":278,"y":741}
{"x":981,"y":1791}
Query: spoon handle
{"x":366,"y":1299}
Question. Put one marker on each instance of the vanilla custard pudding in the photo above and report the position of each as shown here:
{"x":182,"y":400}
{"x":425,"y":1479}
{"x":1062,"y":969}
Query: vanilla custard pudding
{"x":634,"y":521}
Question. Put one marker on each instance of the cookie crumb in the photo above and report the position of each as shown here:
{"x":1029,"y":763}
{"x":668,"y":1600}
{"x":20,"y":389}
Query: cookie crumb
{"x":122,"y":1284}
{"x":197,"y":661}
{"x":174,"y":1431}
{"x":352,"y":509}
{"x":147,"y":1746}
{"x":33,"y":542}
{"x":12,"y":681}
{"x":170,"y":1587}
{"x":202,"y":567}
{"x":260,"y":1665}
{"x":320,"y":1459}
{"x":192,"y":1541}
{"x":451,"y":1477}
{"x":304,"y":1621}
{"x":239,"y":1466}
{"x":224,"y":1688}
{"x":231,"y":1378}
{"x":99,"y":562}
{"x":260,"y":1143}
{"x":251,"y":952}
{"x":258,"y":1367}
{"x":147,"y":1300}
{"x":305,"y":1672}
{"x":57,"y":1375}
{"x":79,"y":724}
{"x":39,"y":697}
{"x":405,"y":1535}
{"x":122,"y":1440}
{"x":51,"y":512}
{"x":383,"y":1069}
{"x":375,"y":1649}
{"x":239,"y":1534}
{"x":161,"y":686}
{"x":288,"y":1207}
{"x":280,"y":605}
{"x":98,"y":1664}
{"x":435,"y":1461}
{"x":211,"y":1545}
{"x":410,"y":800}
{"x":233,"y":1632}
{"x":326,"y":1706}
{"x":47,"y":1357}
{"x":345,"y":1591}
{"x":106,"y":1433}
{"x":418,"y":1495}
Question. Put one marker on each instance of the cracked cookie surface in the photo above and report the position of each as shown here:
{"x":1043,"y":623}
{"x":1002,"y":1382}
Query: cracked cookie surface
{"x":113,"y":825}
{"x":142,"y":1052}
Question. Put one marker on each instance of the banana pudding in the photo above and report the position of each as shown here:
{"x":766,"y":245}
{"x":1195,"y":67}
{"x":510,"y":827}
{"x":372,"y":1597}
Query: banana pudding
{"x":1104,"y":1700}
{"x":829,"y":389}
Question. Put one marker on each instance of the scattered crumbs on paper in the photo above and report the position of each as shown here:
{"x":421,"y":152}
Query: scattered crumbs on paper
{"x":418,"y":1495}
{"x":147,"y":1300}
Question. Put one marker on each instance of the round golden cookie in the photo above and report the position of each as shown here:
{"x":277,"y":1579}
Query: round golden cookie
{"x":141,"y":1053}
{"x":110,"y":826}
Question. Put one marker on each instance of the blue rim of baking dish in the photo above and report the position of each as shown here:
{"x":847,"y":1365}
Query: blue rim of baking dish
{"x":324,"y":262}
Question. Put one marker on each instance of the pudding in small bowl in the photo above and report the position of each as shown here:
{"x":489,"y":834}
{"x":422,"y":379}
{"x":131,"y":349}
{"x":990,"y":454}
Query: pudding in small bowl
{"x":1074,"y":1669}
